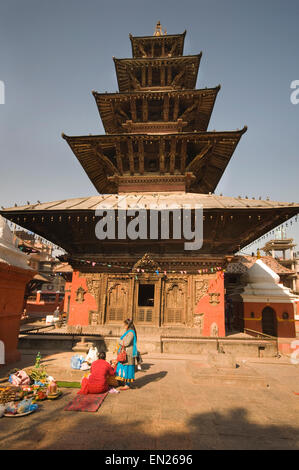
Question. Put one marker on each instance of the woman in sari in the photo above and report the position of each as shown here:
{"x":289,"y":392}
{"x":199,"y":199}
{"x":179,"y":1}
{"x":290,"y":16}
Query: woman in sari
{"x":98,"y":380}
{"x":125,"y":371}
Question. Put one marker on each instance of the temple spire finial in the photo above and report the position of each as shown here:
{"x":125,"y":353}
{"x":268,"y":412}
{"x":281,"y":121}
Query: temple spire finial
{"x":158,"y":30}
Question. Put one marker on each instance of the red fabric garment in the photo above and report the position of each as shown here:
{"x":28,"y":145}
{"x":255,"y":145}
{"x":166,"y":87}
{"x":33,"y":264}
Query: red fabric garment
{"x":96,"y":382}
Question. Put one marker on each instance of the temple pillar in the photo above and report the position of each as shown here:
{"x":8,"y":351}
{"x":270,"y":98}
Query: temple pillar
{"x":162,"y":75}
{"x":143,"y":76}
{"x":133,"y":109}
{"x":166,"y":108}
{"x":162,"y":155}
{"x":176,"y":108}
{"x":169,"y":75}
{"x":150,"y":75}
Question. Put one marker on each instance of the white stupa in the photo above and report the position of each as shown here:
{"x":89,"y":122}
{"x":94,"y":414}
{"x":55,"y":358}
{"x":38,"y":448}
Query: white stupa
{"x":263,"y":286}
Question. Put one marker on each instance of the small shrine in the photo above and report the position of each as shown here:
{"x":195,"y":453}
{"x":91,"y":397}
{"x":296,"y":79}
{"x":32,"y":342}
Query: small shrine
{"x":265,"y":305}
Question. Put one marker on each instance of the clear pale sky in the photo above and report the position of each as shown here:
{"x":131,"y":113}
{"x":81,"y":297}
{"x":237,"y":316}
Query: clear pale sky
{"x":54,"y":53}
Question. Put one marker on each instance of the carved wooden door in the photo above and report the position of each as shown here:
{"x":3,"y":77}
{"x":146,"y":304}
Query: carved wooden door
{"x":175,"y":302}
{"x":145,"y":303}
{"x":117,"y":301}
{"x":269,"y":322}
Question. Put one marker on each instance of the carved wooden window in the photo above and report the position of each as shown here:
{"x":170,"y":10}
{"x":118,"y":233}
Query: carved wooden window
{"x":174,"y":315}
{"x":145,"y":315}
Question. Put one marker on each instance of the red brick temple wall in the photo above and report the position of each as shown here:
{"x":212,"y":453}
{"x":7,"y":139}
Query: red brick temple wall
{"x":79,"y":311}
{"x":212,"y":306}
{"x":12,"y":289}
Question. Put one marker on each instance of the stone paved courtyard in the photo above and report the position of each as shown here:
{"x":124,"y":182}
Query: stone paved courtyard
{"x":180,"y":402}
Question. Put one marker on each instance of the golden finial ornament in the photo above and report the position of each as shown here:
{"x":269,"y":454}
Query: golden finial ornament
{"x":158,"y":30}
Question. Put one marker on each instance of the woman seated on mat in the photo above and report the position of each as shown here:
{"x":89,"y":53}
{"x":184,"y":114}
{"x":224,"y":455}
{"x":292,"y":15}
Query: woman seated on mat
{"x":125,"y":371}
{"x":98,"y":380}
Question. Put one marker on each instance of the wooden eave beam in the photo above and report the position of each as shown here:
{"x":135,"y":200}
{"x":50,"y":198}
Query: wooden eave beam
{"x":175,"y":43}
{"x":199,"y":158}
{"x":142,"y":50}
{"x":119,"y":157}
{"x":183,"y":155}
{"x":99,"y":153}
{"x":188,"y":110}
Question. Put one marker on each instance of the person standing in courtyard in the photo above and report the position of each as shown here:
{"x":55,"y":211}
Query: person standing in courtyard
{"x":125,"y":371}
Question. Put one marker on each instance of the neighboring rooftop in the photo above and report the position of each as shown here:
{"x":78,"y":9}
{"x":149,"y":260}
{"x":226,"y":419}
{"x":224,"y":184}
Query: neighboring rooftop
{"x":242,"y":263}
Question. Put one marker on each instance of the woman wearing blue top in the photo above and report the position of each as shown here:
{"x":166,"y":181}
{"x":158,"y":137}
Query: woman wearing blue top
{"x":125,"y":371}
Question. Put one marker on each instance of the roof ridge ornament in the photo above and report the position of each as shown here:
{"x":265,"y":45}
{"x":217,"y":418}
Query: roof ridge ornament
{"x":158,"y":30}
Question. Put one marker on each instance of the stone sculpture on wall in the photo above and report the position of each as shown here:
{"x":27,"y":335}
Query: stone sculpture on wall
{"x":214,"y":329}
{"x":201,"y":289}
{"x":214,"y":298}
{"x":80,"y":293}
{"x":198,"y":321}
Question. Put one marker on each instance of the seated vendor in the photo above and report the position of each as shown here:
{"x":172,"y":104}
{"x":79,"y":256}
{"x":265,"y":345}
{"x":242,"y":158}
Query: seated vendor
{"x":98,"y":380}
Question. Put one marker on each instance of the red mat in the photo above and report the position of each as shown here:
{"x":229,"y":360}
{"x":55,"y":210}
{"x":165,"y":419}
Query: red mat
{"x":90,"y":402}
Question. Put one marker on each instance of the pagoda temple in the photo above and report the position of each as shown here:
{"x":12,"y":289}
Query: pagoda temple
{"x":157,"y":149}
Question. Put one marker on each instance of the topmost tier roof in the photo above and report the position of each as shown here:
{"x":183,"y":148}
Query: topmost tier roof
{"x":158,"y":45}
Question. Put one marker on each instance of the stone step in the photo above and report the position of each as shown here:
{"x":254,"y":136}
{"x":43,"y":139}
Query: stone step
{"x":247,"y":347}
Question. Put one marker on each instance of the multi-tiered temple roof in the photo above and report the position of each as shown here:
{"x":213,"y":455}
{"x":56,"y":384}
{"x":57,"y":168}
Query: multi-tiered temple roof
{"x":156,"y":126}
{"x":156,"y":144}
